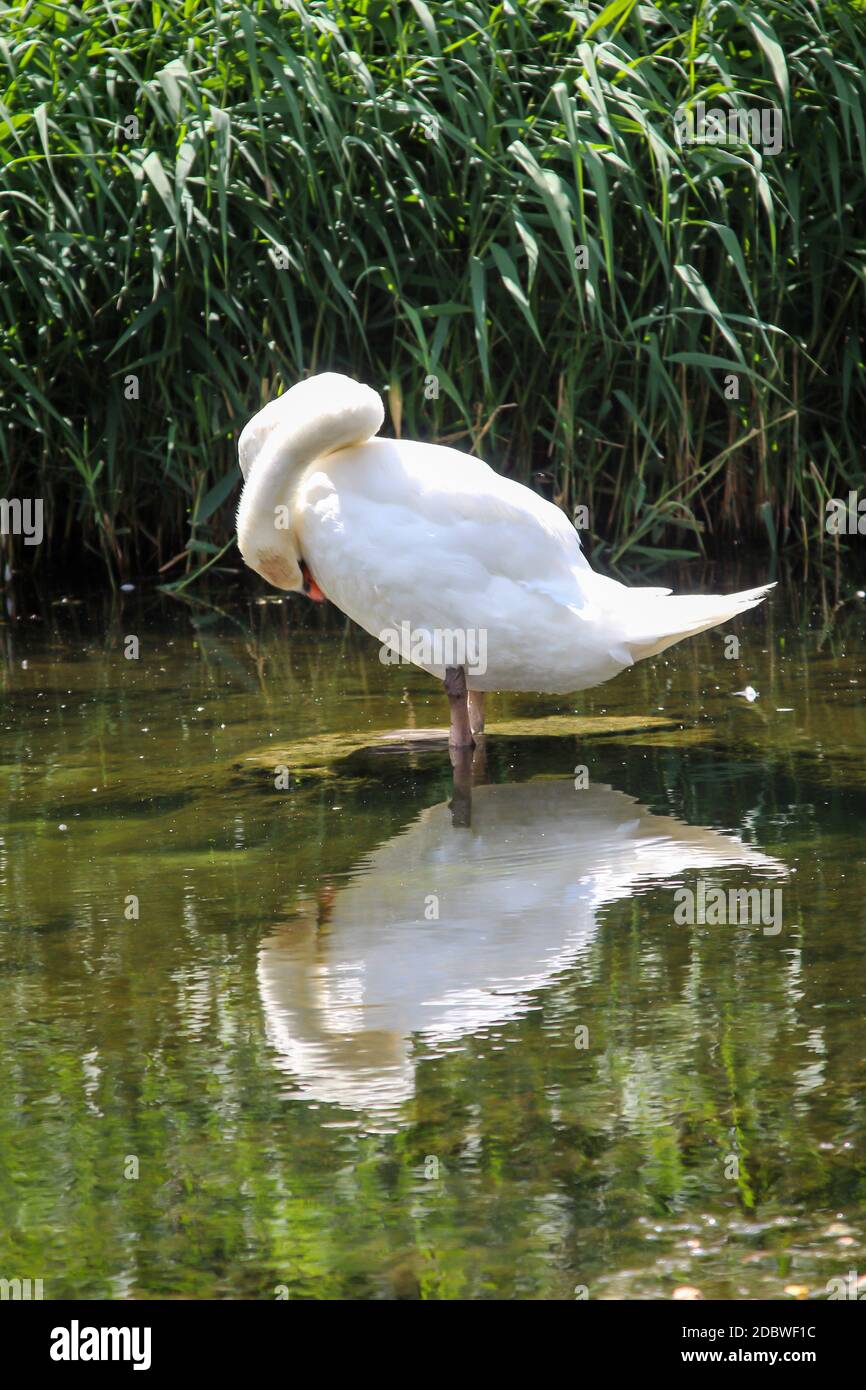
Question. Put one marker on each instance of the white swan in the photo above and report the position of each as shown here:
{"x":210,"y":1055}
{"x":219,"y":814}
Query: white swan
{"x":416,"y":537}
{"x":351,"y":985}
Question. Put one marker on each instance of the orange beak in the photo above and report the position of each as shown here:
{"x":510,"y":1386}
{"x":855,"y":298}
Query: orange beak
{"x":311,"y":588}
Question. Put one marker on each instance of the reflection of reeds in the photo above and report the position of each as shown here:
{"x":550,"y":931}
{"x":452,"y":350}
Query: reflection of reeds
{"x":402,"y":197}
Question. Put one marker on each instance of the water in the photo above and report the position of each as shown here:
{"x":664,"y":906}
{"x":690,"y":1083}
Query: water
{"x":285,"y":1011}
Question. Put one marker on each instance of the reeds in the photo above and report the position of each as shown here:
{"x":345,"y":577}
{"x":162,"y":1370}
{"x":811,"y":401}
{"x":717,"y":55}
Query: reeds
{"x":201,"y":202}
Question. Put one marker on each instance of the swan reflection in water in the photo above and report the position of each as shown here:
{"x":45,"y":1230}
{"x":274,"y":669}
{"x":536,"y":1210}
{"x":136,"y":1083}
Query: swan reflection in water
{"x":352,"y":986}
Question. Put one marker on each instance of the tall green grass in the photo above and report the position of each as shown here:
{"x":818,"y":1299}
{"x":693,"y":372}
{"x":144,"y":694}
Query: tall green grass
{"x":398,"y":190}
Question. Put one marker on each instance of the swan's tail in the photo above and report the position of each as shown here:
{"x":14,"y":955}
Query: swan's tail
{"x":316,"y":417}
{"x":654,"y":619}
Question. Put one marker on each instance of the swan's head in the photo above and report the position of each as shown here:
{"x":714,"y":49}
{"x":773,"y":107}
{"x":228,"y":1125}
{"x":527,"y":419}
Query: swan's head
{"x":265,"y":535}
{"x":315,"y":418}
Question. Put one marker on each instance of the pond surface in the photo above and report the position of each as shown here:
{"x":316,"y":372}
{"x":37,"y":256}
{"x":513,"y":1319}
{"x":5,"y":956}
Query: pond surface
{"x":284,"y":1010}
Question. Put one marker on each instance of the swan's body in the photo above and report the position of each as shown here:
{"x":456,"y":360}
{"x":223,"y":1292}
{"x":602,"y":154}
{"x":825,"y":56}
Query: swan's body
{"x":400,"y":534}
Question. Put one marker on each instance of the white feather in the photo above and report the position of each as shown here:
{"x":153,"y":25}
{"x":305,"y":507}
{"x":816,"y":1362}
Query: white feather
{"x":397,"y":532}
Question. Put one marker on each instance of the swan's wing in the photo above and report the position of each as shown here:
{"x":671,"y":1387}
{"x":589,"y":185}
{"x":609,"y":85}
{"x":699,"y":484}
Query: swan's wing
{"x":432,"y":528}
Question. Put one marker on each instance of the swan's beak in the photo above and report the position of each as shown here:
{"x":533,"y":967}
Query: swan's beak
{"x":311,"y":588}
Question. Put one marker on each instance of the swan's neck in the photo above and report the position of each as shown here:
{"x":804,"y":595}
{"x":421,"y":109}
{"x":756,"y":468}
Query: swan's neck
{"x":265,"y":524}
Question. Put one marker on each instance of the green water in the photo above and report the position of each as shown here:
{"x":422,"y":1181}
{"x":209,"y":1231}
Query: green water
{"x":324,"y":1037}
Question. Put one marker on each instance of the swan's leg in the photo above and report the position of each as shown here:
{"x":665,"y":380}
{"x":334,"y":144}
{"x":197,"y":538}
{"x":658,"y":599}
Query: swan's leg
{"x":476,"y":711}
{"x":455,"y":688}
